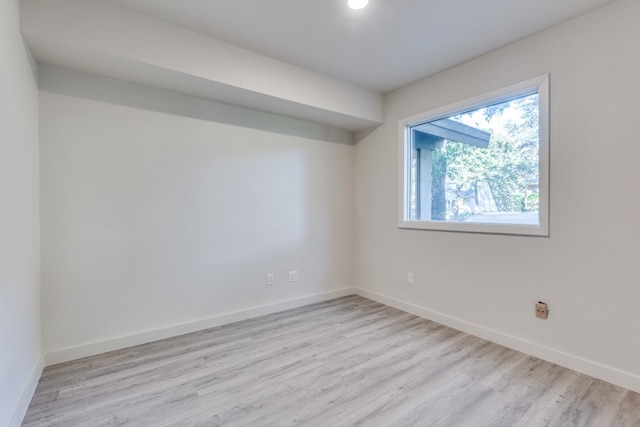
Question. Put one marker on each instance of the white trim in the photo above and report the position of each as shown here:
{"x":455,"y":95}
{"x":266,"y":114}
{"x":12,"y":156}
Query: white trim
{"x":538,"y":84}
{"x":27,"y":394}
{"x":98,"y":347}
{"x":576,"y":363}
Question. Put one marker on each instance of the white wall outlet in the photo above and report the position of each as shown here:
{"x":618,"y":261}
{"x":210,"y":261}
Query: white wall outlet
{"x":269,"y":279}
{"x":293,"y":276}
{"x":411,"y":279}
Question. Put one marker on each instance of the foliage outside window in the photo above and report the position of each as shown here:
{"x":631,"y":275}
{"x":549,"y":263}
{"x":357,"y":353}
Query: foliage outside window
{"x":480,"y":165}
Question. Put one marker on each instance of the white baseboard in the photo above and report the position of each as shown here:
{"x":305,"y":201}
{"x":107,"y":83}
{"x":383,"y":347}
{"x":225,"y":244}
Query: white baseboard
{"x":27,"y":394}
{"x":98,"y":347}
{"x":591,"y":368}
{"x":576,"y":363}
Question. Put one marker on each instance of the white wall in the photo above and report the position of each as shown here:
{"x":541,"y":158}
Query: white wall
{"x":154,"y":220}
{"x":20,"y":364}
{"x":588,"y":269}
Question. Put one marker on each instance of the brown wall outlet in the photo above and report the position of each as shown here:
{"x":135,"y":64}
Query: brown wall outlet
{"x":542,"y":311}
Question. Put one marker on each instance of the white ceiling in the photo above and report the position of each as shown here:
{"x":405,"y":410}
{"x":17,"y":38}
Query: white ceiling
{"x":316,"y":61}
{"x":385,"y":46}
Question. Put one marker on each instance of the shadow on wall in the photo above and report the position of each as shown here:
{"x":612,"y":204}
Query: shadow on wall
{"x":88,"y":86}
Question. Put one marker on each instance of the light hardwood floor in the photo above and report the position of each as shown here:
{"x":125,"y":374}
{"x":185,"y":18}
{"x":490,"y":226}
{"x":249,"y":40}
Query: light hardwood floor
{"x":345,"y":362}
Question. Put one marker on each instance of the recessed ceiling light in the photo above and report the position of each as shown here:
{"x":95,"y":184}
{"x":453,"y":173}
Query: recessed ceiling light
{"x":358,"y":4}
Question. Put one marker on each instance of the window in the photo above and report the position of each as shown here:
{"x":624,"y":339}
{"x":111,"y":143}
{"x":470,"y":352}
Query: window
{"x":481,"y":165}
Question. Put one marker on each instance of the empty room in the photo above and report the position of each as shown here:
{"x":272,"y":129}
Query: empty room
{"x":319,"y":213}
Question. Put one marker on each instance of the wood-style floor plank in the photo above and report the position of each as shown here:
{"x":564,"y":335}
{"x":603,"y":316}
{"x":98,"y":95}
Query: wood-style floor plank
{"x":344,"y":362}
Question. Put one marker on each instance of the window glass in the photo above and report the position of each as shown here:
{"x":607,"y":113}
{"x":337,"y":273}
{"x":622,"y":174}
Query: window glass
{"x":479,"y":169}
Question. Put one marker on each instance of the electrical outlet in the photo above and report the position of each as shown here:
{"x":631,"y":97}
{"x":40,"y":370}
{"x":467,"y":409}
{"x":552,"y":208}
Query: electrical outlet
{"x":542,"y":311}
{"x":293,"y":276}
{"x":270,"y":279}
{"x":411,"y":279}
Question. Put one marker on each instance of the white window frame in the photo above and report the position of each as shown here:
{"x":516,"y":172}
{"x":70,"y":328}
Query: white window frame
{"x":538,"y":84}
